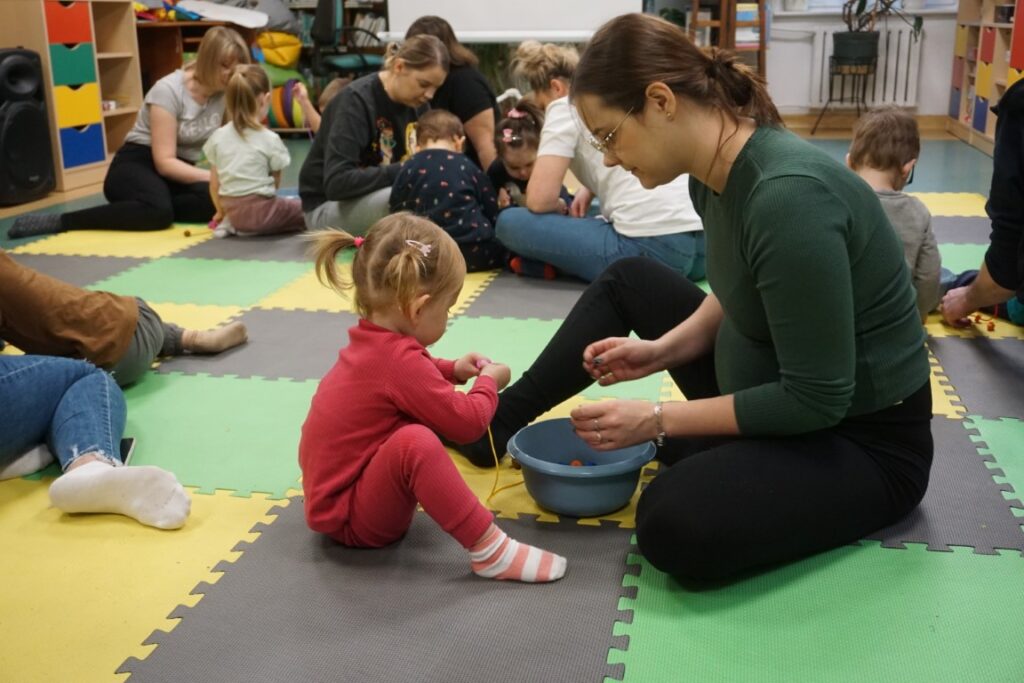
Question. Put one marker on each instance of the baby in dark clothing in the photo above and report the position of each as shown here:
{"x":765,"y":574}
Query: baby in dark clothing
{"x":440,"y":183}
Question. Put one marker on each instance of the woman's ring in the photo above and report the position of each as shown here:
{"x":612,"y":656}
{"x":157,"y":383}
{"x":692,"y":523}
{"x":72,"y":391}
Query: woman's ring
{"x":599,"y":438}
{"x":597,"y":425}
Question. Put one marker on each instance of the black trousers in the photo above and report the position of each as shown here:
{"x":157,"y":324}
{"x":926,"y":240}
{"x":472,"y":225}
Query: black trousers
{"x":725,"y":506}
{"x":142,"y":199}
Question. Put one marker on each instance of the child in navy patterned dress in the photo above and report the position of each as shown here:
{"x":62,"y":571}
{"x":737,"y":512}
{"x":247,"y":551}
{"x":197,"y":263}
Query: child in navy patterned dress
{"x":442,"y":184}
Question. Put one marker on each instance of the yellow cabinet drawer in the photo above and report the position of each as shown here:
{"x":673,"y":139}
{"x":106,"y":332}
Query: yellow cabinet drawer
{"x":77,"y":106}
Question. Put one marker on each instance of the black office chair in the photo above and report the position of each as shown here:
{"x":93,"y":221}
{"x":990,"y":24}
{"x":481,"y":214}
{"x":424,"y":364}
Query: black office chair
{"x":333,"y":45}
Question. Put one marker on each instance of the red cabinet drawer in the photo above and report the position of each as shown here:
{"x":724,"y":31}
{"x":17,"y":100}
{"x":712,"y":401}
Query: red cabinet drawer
{"x":67,"y":22}
{"x":988,"y":45}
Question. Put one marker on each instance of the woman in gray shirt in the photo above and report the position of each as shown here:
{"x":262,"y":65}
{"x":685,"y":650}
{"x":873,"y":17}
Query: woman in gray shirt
{"x":152,"y":180}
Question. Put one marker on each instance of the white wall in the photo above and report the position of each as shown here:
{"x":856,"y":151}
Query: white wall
{"x":789,"y":58}
{"x":789,"y":61}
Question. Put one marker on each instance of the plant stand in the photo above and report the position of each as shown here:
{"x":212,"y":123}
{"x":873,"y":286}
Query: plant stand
{"x":856,"y":75}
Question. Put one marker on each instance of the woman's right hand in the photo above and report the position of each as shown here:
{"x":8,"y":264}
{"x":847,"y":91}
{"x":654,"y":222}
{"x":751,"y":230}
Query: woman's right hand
{"x":618,"y":359}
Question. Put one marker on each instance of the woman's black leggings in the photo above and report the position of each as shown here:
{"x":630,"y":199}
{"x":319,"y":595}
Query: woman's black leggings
{"x":142,"y":199}
{"x":725,"y":506}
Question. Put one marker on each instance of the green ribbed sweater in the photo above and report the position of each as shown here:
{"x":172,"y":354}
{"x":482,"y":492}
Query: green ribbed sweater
{"x":820,"y":316}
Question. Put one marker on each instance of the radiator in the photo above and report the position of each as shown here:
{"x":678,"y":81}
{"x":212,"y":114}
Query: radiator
{"x":895,"y":79}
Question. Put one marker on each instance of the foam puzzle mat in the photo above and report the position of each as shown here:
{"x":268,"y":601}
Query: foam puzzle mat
{"x":245,"y":591}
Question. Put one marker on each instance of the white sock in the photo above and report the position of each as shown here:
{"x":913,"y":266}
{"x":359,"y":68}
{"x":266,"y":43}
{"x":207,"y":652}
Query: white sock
{"x":29,"y":462}
{"x":148,"y":494}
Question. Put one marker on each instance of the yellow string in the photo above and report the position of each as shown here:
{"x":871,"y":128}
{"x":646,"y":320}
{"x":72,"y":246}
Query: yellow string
{"x":494,"y":451}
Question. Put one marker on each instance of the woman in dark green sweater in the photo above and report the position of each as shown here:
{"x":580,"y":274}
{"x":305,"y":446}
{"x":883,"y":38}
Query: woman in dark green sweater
{"x":807,"y":424}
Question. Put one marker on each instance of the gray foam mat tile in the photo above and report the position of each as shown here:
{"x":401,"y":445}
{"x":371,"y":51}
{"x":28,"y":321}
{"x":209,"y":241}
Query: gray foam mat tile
{"x":298,"y":345}
{"x":961,"y":229}
{"x":963,"y":505}
{"x":77,"y":270}
{"x":512,"y":296}
{"x":298,"y":607}
{"x":292,"y":247}
{"x":986,"y":374}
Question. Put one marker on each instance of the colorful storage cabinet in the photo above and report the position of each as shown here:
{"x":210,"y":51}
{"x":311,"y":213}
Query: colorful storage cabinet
{"x":76,"y":92}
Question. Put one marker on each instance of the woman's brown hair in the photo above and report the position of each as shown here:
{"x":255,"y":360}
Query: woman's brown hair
{"x":520,"y":128}
{"x":459,"y":54}
{"x":418,"y":53}
{"x":219,"y":45}
{"x":401,"y":257}
{"x":538,"y":64}
{"x":241,"y":97}
{"x":632,"y":51}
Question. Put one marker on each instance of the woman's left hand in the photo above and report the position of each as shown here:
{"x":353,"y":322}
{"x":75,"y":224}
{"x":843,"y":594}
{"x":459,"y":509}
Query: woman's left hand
{"x":609,"y":425}
{"x":469,"y":366}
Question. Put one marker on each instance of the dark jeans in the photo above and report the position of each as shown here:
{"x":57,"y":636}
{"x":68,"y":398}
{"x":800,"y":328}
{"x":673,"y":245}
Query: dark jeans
{"x":142,"y":199}
{"x":725,"y":506}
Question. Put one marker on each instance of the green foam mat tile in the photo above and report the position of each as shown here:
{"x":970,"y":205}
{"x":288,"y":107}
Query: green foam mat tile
{"x":517,"y":342}
{"x":855,"y":614}
{"x":298,"y":345}
{"x":77,"y":270}
{"x":1003,"y":441}
{"x":204,"y":281}
{"x":961,"y":257}
{"x":226,"y":433}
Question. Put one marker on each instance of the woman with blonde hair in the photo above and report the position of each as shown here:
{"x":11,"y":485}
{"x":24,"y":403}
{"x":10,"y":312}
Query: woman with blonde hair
{"x":660,"y":224}
{"x":153,"y":180}
{"x":365,"y":134}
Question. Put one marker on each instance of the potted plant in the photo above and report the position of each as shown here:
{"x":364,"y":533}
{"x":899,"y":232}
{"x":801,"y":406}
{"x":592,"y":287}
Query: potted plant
{"x":859,"y":44}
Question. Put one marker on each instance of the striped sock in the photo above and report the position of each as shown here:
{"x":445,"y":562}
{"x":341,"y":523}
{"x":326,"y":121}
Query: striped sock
{"x":496,"y":556}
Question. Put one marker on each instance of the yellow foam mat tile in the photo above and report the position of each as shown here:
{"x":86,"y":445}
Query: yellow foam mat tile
{"x":953,"y":203}
{"x":669,"y":390}
{"x":10,"y":350}
{"x":945,"y":402}
{"x":194,"y":316}
{"x":97,"y":586}
{"x":307,"y":294}
{"x":515,"y":500}
{"x":473,"y":287}
{"x":150,"y":244}
{"x":1002,"y":329}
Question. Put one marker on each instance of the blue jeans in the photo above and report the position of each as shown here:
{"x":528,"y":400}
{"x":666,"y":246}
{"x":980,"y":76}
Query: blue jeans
{"x":71,"y":405}
{"x":584,"y":247}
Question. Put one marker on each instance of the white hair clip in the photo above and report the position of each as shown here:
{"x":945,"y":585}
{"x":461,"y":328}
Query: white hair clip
{"x":423,"y":248}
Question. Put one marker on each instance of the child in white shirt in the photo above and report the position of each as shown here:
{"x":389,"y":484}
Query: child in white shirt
{"x":246,"y":161}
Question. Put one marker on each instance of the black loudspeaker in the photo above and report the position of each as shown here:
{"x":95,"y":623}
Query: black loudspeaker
{"x":26,"y":157}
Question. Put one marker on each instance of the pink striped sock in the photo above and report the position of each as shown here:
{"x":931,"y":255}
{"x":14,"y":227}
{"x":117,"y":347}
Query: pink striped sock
{"x":496,"y":556}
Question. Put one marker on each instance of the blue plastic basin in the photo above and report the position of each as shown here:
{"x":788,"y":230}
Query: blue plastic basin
{"x":544,"y":449}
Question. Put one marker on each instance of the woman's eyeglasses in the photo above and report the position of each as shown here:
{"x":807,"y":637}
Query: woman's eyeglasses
{"x":602,"y":144}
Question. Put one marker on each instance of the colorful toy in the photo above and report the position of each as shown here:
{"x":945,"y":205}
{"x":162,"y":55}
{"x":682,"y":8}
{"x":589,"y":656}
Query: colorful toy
{"x":285,"y":110}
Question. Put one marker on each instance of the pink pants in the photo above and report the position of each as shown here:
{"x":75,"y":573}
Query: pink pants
{"x":255,"y":214}
{"x":411,"y":467}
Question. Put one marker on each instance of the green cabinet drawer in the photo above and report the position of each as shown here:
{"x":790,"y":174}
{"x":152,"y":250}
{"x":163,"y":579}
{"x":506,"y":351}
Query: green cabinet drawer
{"x":73,"y":64}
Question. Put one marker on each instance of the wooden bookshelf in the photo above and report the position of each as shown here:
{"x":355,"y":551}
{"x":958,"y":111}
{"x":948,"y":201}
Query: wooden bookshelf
{"x":988,"y":57}
{"x":727,"y":24}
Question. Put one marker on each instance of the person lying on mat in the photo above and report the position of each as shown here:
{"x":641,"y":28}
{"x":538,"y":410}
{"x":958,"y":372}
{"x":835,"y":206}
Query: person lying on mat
{"x":808,"y":419}
{"x":153,"y":180}
{"x":370,"y":450}
{"x":42,"y":315}
{"x":79,"y":412}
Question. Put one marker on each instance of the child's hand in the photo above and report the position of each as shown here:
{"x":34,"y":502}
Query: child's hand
{"x":581,"y":203}
{"x":217,"y":217}
{"x":469,"y":366}
{"x":504,"y":199}
{"x":563,"y":208}
{"x":300,"y":93}
{"x":499,"y":372}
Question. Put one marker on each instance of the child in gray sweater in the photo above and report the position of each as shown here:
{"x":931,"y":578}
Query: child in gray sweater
{"x":884,"y":150}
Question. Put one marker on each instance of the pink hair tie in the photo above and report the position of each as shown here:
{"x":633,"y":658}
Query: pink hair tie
{"x":506,"y":135}
{"x":358,"y":241}
{"x":514,"y":113}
